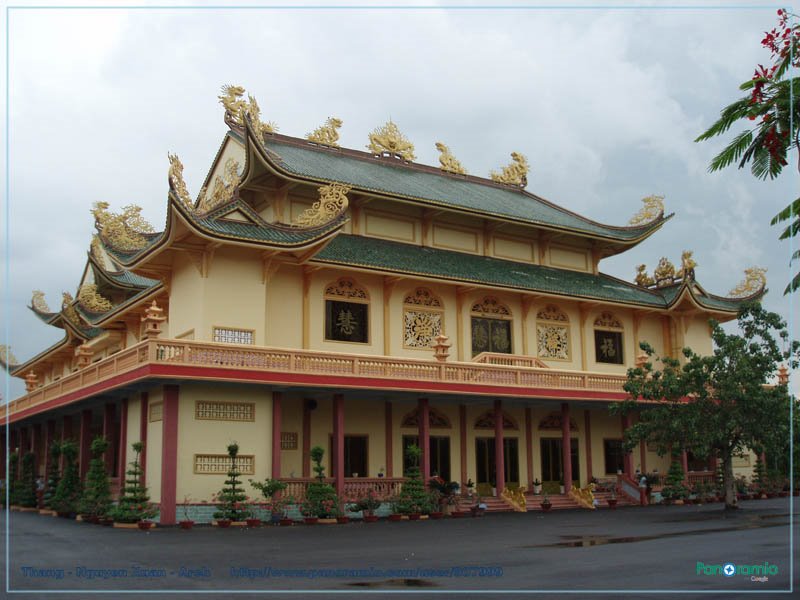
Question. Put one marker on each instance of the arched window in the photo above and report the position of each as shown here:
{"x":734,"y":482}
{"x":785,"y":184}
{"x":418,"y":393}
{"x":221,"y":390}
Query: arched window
{"x":423,"y":318}
{"x":608,"y":332}
{"x":491,"y":327}
{"x":346,"y":312}
{"x":552,"y":333}
{"x":436,"y":419}
{"x":486,"y":421}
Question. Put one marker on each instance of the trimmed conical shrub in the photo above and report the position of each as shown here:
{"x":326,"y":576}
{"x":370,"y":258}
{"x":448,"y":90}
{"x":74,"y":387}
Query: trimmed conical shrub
{"x":53,"y":476}
{"x":68,"y":492}
{"x":232,"y":497}
{"x":134,"y":503}
{"x":96,"y":499}
{"x":26,"y":493}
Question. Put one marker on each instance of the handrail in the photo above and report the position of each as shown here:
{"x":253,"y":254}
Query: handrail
{"x":629,"y":488}
{"x":261,"y":358}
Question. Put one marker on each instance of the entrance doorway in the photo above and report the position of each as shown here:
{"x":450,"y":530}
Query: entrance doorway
{"x":553,"y":464}
{"x":440,"y":454}
{"x":486,"y":467}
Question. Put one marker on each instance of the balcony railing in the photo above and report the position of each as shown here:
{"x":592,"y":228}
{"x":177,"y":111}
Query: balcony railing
{"x":354,"y":487}
{"x":517,"y":372}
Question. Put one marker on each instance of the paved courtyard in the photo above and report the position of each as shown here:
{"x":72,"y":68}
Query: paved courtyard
{"x":639,"y":551}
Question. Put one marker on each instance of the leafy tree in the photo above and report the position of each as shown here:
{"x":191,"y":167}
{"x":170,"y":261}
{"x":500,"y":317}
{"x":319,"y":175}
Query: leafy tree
{"x":26,"y":493}
{"x":68,"y":492}
{"x":773,"y":99}
{"x":760,"y":476}
{"x":718,"y":404}
{"x":96,"y":499}
{"x":134,"y":503}
{"x":53,"y":476}
{"x":232,"y":497}
{"x":321,"y":498}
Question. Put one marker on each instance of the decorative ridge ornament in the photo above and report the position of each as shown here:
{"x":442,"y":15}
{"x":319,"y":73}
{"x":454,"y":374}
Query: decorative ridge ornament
{"x":653,"y":209}
{"x":664,"y":272}
{"x":38,"y":302}
{"x":68,"y":310}
{"x":332,"y":203}
{"x":123,"y":231}
{"x":236,"y":110}
{"x":224,"y":188}
{"x":448,"y":162}
{"x":327,"y":134}
{"x":7,"y":356}
{"x":515,"y":173}
{"x":388,"y":141}
{"x":176,"y":181}
{"x":642,"y":279}
{"x":688,"y":264}
{"x":755,"y":280}
{"x":90,"y":299}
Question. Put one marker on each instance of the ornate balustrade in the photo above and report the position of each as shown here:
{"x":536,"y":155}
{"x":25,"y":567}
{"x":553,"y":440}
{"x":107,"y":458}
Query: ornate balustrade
{"x":515,"y":372}
{"x":693,"y":477}
{"x":354,"y":487}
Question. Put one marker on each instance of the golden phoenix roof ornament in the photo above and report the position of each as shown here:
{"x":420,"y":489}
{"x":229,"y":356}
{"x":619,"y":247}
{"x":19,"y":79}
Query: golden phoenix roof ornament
{"x":237,"y":111}
{"x":38,"y":302}
{"x":755,"y":280}
{"x":7,"y":356}
{"x":448,"y":162}
{"x":223,"y":190}
{"x":688,"y":265}
{"x":515,"y":173}
{"x":176,"y":182}
{"x":653,"y":209}
{"x":327,"y":134}
{"x":90,"y":299}
{"x":388,"y":140}
{"x":642,"y":279}
{"x":332,"y":203}
{"x":124,"y":231}
{"x":68,"y":310}
{"x":665,"y":272}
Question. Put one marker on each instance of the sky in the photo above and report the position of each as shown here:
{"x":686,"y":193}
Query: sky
{"x":604,"y":102}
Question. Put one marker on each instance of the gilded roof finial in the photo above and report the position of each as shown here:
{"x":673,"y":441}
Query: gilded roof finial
{"x":688,"y":265}
{"x":90,"y":299}
{"x":176,"y":181}
{"x":653,"y":209}
{"x":68,"y":310}
{"x":448,"y":162}
{"x":755,"y":280}
{"x":7,"y":356}
{"x":332,"y":203}
{"x":237,"y":110}
{"x":327,"y":134}
{"x":388,"y":140}
{"x":515,"y":173}
{"x":665,"y":272}
{"x":642,"y":279}
{"x":223,"y":190}
{"x":124,"y":230}
{"x":38,"y":302}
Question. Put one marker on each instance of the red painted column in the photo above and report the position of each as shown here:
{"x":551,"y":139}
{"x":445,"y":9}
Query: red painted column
{"x":685,"y":465}
{"x":277,"y":398}
{"x":587,"y":426}
{"x":529,"y":446}
{"x":144,"y":417}
{"x":123,"y":442}
{"x":628,"y":460}
{"x":462,"y":423}
{"x":338,"y":442}
{"x":499,"y":448}
{"x":307,"y":404}
{"x":49,"y":438}
{"x":23,"y":448}
{"x":169,"y":454}
{"x":424,"y":430}
{"x":66,"y":434}
{"x":566,"y":447}
{"x":643,"y":456}
{"x":85,"y":442}
{"x":36,"y":442}
{"x":109,"y":414}
{"x":387,"y":409}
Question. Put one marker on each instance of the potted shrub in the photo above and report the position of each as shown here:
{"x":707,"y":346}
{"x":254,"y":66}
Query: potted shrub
{"x":674,"y":490}
{"x":134,"y":503}
{"x":67,"y":494}
{"x":443,"y":495}
{"x":321,"y":501}
{"x":546,"y":504}
{"x":53,"y":477}
{"x":96,"y":499}
{"x":413,"y":498}
{"x":26,"y":490}
{"x":271,"y":489}
{"x":367,"y":505}
{"x":537,"y":486}
{"x":13,"y":479}
{"x":231,"y":498}
{"x":186,"y":523}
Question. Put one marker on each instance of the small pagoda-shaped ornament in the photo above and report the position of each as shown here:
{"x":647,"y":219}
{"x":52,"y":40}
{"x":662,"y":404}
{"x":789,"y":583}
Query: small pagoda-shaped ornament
{"x":152,"y":319}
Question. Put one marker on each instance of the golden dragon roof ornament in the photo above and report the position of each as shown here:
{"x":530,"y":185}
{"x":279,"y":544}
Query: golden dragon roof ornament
{"x":448,"y":162}
{"x":237,"y":111}
{"x":90,"y":299}
{"x":327,"y":134}
{"x":755,"y":280}
{"x":665,"y":273}
{"x":176,"y":182}
{"x":123,"y":231}
{"x":642,"y":279}
{"x":653,"y":209}
{"x":7,"y":356}
{"x":388,"y":140}
{"x":332,"y":203}
{"x":224,"y":188}
{"x":68,"y":310}
{"x":38,"y":302}
{"x":515,"y":173}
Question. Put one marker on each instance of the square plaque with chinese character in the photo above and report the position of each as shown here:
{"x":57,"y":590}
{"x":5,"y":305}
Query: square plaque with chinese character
{"x":608,"y":347}
{"x":346,"y":321}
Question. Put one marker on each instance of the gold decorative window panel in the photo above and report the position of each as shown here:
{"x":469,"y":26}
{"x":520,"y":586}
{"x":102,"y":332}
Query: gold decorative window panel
{"x":552,"y":333}
{"x":226,"y":335}
{"x":422,"y":318}
{"x":220,"y":464}
{"x":224,"y":411}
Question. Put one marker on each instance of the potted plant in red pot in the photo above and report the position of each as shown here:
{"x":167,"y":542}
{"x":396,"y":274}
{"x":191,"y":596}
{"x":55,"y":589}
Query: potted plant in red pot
{"x":271,"y":489}
{"x":96,"y":498}
{"x":367,"y":505}
{"x":186,"y":523}
{"x":231,"y":499}
{"x":134,"y":504}
{"x":321,"y":501}
{"x":546,"y":504}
